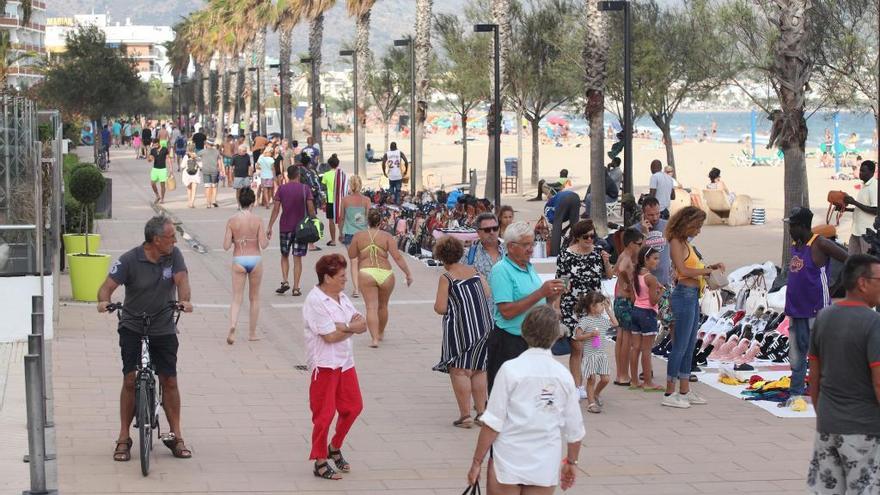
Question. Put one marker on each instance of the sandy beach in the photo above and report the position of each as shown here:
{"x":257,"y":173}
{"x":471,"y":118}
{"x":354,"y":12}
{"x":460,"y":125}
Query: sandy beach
{"x":735,"y":246}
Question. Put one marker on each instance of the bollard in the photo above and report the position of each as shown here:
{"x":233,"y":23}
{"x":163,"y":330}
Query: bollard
{"x":36,"y":435}
{"x":37,"y":307}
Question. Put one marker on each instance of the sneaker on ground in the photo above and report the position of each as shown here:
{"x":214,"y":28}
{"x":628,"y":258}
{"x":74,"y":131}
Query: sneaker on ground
{"x":582,"y":392}
{"x":695,"y":398}
{"x":675,"y":400}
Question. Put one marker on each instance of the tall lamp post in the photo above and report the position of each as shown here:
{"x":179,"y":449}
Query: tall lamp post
{"x":412,"y":111}
{"x":624,"y":5}
{"x":316,"y":105}
{"x":495,"y":114}
{"x":354,"y":60}
{"x":281,"y":100}
{"x":206,"y":105}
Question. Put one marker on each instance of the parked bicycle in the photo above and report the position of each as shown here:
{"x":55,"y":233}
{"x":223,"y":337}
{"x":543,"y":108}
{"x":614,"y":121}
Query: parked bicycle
{"x":148,"y":390}
{"x":103,"y":160}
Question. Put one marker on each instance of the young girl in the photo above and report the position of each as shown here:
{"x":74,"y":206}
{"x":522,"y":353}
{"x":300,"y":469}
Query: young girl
{"x":595,"y":318}
{"x":644,"y":317}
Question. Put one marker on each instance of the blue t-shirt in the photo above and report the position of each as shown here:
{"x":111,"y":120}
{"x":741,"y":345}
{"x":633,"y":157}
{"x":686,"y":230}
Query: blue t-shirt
{"x":105,"y":137}
{"x":510,"y":283}
{"x":117,"y":128}
{"x":266,"y":164}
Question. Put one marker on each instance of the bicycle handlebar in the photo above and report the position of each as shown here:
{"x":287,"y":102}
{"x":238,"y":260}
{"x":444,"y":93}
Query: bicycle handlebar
{"x":146,"y":319}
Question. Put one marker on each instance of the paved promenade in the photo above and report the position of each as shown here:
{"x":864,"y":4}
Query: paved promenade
{"x":245,"y":407}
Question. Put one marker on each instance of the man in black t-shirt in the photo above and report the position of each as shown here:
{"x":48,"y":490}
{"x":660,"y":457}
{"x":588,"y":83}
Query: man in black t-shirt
{"x":242,"y":170}
{"x":159,"y":173}
{"x":199,"y":139}
{"x":153,"y":274}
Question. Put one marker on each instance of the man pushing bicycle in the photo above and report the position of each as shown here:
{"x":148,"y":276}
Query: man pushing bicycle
{"x":151,"y":274}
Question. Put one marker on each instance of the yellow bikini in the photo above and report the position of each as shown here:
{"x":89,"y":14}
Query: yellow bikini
{"x":380,"y":275}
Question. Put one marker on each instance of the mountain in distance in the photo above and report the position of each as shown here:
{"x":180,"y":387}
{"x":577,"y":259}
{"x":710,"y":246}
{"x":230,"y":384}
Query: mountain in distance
{"x":390,"y":20}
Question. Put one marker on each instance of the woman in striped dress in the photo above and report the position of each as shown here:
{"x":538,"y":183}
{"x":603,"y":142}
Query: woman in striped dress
{"x":462,"y":299}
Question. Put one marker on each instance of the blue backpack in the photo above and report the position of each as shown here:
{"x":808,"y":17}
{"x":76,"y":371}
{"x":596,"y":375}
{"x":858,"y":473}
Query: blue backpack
{"x":180,"y":145}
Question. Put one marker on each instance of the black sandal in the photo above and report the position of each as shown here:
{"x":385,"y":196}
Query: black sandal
{"x":336,"y":457}
{"x":284,"y":288}
{"x":122,"y":455}
{"x":324,"y":470}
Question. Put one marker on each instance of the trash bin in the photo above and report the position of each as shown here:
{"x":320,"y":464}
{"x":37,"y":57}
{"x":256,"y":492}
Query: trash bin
{"x":510,"y":167}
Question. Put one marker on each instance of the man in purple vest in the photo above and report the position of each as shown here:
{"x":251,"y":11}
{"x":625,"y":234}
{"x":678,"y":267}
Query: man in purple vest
{"x":806,"y":293}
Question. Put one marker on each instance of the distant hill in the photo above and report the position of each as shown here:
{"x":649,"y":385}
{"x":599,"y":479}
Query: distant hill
{"x":391,"y":19}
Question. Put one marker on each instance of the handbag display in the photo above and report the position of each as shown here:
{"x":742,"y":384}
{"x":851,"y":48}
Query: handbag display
{"x":711,"y":302}
{"x":718,"y":280}
{"x":753,"y":295}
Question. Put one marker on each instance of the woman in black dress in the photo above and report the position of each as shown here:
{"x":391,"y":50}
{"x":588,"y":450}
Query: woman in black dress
{"x":583,"y":266}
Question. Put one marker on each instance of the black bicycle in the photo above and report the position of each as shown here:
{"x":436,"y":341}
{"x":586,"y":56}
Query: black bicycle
{"x":148,"y":390}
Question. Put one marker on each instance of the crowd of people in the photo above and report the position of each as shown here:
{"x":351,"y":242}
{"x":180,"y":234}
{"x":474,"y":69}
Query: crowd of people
{"x":499,"y":319}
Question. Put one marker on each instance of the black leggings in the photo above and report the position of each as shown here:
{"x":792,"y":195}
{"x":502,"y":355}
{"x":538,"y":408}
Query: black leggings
{"x":568,"y":209}
{"x":502,"y":347}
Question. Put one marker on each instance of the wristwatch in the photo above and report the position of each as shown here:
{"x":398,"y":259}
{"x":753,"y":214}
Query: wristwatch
{"x":569,"y":461}
{"x":347,"y":328}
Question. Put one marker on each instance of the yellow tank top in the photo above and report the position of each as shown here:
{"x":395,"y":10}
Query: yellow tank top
{"x":694,"y":262}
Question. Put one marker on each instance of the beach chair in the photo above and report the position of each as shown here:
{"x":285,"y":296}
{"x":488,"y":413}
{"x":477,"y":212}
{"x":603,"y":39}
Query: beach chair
{"x":720,"y":211}
{"x":614,"y":210}
{"x":682,"y":199}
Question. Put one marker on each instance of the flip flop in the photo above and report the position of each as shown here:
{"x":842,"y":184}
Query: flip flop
{"x":623,"y":384}
{"x":655,"y":388}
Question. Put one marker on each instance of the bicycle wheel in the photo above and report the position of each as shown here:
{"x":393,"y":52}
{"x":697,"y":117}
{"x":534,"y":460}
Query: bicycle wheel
{"x":144,"y":405}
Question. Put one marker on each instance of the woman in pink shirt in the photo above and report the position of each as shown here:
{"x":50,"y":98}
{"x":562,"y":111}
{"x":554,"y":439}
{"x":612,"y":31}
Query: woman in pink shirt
{"x":330,"y":320}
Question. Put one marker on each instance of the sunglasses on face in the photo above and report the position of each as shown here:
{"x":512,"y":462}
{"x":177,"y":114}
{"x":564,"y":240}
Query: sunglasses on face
{"x":489,"y":230}
{"x":589,"y":236}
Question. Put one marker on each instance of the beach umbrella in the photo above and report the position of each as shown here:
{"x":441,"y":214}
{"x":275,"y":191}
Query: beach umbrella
{"x":557,"y":120}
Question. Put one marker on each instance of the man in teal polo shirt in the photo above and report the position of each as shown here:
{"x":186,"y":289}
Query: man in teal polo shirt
{"x":516,"y":288}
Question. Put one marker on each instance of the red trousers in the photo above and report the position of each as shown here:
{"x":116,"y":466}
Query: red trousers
{"x":333,"y":391}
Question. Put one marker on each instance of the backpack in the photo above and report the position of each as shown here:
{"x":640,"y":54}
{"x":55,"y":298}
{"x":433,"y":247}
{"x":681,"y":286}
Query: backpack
{"x":192,"y":165}
{"x":180,"y":144}
{"x":310,"y":178}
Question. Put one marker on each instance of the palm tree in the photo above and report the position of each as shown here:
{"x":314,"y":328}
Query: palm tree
{"x":10,"y":56}
{"x":314,"y":11}
{"x":360,"y":9}
{"x":422,"y":50}
{"x":286,"y":15}
{"x":202,"y":52}
{"x":595,"y":59}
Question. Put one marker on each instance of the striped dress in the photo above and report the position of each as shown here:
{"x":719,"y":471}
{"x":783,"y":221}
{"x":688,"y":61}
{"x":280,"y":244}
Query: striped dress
{"x":595,"y":360}
{"x":466,"y":325}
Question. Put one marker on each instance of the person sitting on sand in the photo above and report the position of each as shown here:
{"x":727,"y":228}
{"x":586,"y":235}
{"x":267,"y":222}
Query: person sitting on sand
{"x":715,"y":183}
{"x":561,"y":183}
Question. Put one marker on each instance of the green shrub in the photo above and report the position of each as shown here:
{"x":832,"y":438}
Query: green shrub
{"x":75,"y":217}
{"x":68,"y":172}
{"x":86,"y":184}
{"x":72,"y":131}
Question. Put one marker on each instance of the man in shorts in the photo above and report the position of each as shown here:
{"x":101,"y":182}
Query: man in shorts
{"x":844,"y":357}
{"x":292,"y":200}
{"x":159,"y":173}
{"x":228,"y":152}
{"x":153,"y":274}
{"x":624,"y":295}
{"x":210,"y":172}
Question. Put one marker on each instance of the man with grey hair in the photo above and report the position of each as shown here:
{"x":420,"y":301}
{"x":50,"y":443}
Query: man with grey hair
{"x":488,"y":250}
{"x":516,"y":288}
{"x":153,"y":274}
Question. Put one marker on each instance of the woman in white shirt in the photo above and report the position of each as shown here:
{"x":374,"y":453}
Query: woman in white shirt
{"x":330,"y":320}
{"x":534,"y":397}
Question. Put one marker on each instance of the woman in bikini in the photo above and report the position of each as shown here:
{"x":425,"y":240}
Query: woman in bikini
{"x":246,"y":233}
{"x":371,"y":249}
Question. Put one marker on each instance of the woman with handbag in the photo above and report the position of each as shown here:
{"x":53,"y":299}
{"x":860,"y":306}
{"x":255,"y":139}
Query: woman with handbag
{"x":682,"y":227}
{"x":371,"y":248}
{"x":532,"y":412}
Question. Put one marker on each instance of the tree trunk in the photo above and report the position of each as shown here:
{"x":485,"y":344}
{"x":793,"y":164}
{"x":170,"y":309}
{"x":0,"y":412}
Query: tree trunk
{"x":536,"y":141}
{"x":316,"y":39}
{"x":666,"y":133}
{"x":365,"y":62}
{"x":285,"y":41}
{"x":198,"y":75}
{"x":596,"y":116}
{"x":260,"y":64}
{"x":519,"y":151}
{"x":385,"y":123}
{"x":489,"y":189}
{"x":222,"y":80}
{"x":206,"y":98}
{"x":423,"y":57}
{"x":464,"y":168}
{"x":232,"y":100}
{"x":248,"y":93}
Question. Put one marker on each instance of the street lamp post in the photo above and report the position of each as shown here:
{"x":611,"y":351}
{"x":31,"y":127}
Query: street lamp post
{"x":313,"y":96}
{"x":356,"y":131}
{"x":495,"y":114}
{"x":205,"y":104}
{"x":412,"y":111}
{"x":281,"y":90}
{"x":624,"y":5}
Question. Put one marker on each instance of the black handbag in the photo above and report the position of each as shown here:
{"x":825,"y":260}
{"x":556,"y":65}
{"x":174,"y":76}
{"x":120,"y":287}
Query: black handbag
{"x":472,"y":489}
{"x":310,"y":229}
{"x":561,"y":347}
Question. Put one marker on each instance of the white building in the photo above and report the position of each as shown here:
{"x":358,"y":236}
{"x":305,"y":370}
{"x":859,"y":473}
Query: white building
{"x":144,"y":44}
{"x":25,"y":38}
